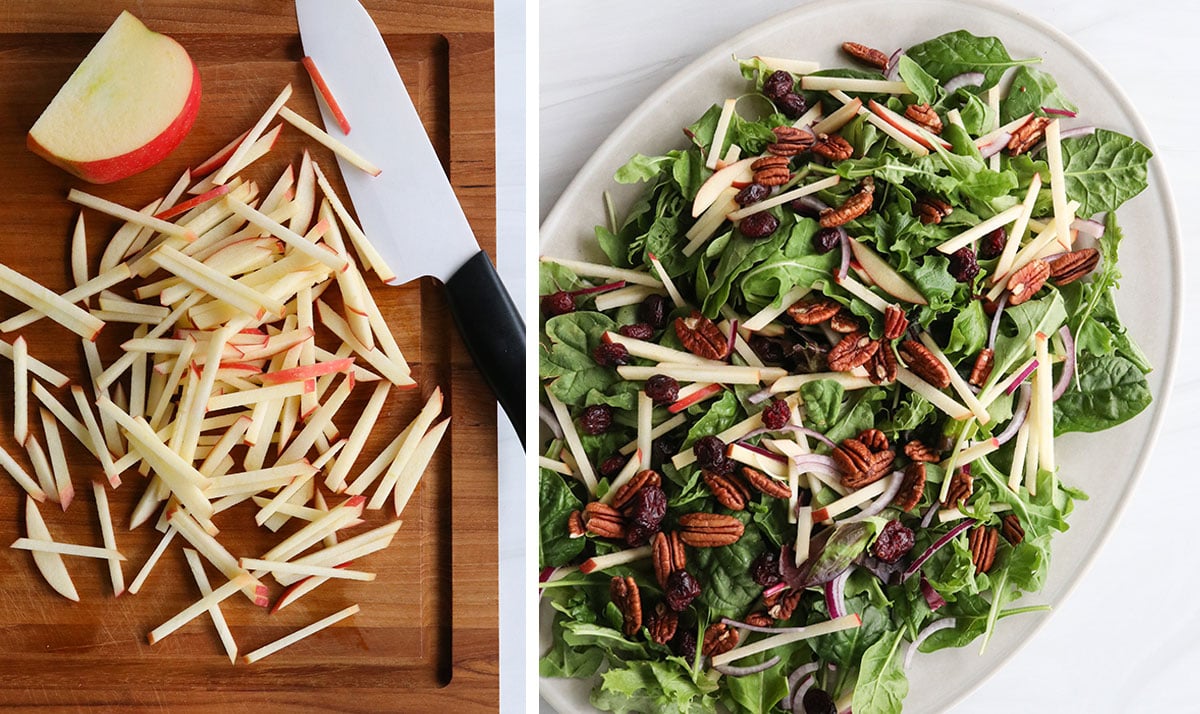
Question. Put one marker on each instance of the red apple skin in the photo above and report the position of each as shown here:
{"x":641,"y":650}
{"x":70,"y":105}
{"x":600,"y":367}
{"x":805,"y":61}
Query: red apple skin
{"x":118,"y":167}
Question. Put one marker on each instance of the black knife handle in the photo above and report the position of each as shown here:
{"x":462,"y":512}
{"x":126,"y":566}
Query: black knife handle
{"x":493,"y":331}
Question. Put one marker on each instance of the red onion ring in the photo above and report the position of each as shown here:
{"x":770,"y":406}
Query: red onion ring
{"x":789,"y":427}
{"x":924,"y":635}
{"x":937,"y":545}
{"x":1068,"y":134}
{"x":769,"y":630}
{"x":1060,"y":112}
{"x":835,"y":594}
{"x":999,"y":143}
{"x":1019,"y":415}
{"x":759,"y":397}
{"x":966,"y":79}
{"x":761,"y":451}
{"x":551,"y":421}
{"x":817,"y":463}
{"x":891,"y":71}
{"x":933,"y":598}
{"x":814,"y":434}
{"x":773,"y":590}
{"x":1023,"y":376}
{"x":1064,"y":379}
{"x":1003,"y":303}
{"x":844,"y":240}
{"x":885,"y":499}
{"x":812,"y":202}
{"x":927,"y":516}
{"x":599,"y":288}
{"x":735,"y":671}
{"x":796,"y":696}
{"x":1089,"y":227}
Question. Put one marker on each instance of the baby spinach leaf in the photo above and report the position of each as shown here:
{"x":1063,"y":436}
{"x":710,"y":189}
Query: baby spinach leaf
{"x":716,"y":417}
{"x":1104,"y":170}
{"x":1031,"y":90}
{"x":729,"y":590}
{"x":859,"y":417}
{"x":566,"y":356}
{"x":882,"y":684}
{"x":969,"y":332}
{"x":757,"y":693}
{"x":954,"y":53}
{"x":1111,"y":390}
{"x":822,"y":402}
{"x":922,"y":84}
{"x":555,"y":504}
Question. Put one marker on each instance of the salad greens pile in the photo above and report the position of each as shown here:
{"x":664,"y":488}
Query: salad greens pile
{"x":1097,"y":367}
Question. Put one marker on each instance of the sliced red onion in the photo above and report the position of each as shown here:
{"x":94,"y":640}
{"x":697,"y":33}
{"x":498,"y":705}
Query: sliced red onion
{"x":1089,"y":227}
{"x":937,"y":545}
{"x":733,"y":335}
{"x":924,"y":635}
{"x":809,"y":432}
{"x":927,"y":516}
{"x":844,"y":239}
{"x":802,"y":677}
{"x":1067,"y":134}
{"x":966,"y":79}
{"x":892,"y":71}
{"x":760,"y":396}
{"x":599,"y":288}
{"x":1021,"y":377}
{"x":774,"y":590}
{"x":817,"y":463}
{"x":1064,"y":379}
{"x":996,"y":321}
{"x":761,"y":451}
{"x":1060,"y":112}
{"x":995,"y":146}
{"x":735,"y":671}
{"x":1019,"y":415}
{"x":885,"y":499}
{"x":812,"y":203}
{"x":546,"y":573}
{"x":548,"y":418}
{"x":933,"y":598}
{"x":835,"y":594}
{"x":768,"y":630}
{"x":756,"y":399}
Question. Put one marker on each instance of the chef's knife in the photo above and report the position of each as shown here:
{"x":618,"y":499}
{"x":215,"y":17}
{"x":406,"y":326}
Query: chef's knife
{"x":409,"y":210}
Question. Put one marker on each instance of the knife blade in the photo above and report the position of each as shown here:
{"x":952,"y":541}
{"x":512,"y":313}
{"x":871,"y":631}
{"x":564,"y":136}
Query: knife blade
{"x":409,"y":211}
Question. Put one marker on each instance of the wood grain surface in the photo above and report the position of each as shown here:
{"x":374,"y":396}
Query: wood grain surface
{"x":426,"y":637}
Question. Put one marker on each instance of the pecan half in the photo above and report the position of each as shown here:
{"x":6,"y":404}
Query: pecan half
{"x":1069,"y":267}
{"x":759,"y":619}
{"x":1010,"y":528}
{"x":867,"y":55}
{"x":911,"y":488}
{"x":575,"y":527}
{"x":983,"y":543}
{"x":845,"y":322}
{"x":729,"y":490}
{"x":786,"y":605}
{"x":853,"y":350}
{"x":709,"y":530}
{"x":960,"y":489}
{"x":918,"y":450}
{"x":853,"y":207}
{"x":874,"y":439}
{"x":625,"y":595}
{"x":923,"y":364}
{"x":631,"y":487}
{"x":931,"y":210}
{"x":700,"y":336}
{"x":881,"y":369}
{"x":832,"y":147}
{"x":765,"y":484}
{"x":1027,"y":281}
{"x":719,"y":638}
{"x":771,"y":170}
{"x":924,"y":115}
{"x":662,"y":624}
{"x":895,"y":322}
{"x":790,"y":141}
{"x":861,"y":465}
{"x":814,"y":311}
{"x":982,"y":368}
{"x":1027,"y":135}
{"x":668,"y":555}
{"x":603,"y":520}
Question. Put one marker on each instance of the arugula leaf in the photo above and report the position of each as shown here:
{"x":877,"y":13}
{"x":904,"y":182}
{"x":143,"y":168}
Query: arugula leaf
{"x":954,"y":53}
{"x":882,"y":685}
{"x":555,"y":504}
{"x":922,"y":84}
{"x":655,"y":686}
{"x":822,"y":402}
{"x":1043,"y":315}
{"x":1104,"y":170}
{"x":641,"y":168}
{"x":796,"y":263}
{"x":740,"y":256}
{"x":1110,"y":390}
{"x":1031,"y":90}
{"x":969,"y":332}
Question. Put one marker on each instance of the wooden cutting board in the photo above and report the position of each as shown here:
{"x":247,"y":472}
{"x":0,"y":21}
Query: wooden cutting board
{"x":426,"y":637}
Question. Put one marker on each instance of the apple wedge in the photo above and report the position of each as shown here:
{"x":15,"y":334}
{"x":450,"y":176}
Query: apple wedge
{"x":885,"y":276}
{"x":125,"y":108}
{"x":706,"y":195}
{"x":50,"y":565}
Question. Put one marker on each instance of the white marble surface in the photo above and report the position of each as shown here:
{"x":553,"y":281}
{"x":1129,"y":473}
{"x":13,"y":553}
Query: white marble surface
{"x":1128,"y":638}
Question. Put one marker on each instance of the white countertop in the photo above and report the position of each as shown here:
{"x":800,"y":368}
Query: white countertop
{"x":1128,"y":638}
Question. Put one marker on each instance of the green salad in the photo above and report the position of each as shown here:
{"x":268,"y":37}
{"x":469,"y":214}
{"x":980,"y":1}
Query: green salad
{"x":804,"y":415}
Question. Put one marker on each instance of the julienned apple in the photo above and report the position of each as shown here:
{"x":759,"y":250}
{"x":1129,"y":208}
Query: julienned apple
{"x":124,"y":109}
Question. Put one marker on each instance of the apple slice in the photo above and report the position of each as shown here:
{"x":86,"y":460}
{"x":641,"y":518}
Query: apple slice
{"x":49,"y":564}
{"x":885,"y":276}
{"x":706,"y":195}
{"x":907,"y":127}
{"x":125,"y":108}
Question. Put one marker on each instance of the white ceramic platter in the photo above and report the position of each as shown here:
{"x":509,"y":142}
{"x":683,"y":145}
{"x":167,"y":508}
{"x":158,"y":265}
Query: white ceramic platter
{"x":1105,"y":466}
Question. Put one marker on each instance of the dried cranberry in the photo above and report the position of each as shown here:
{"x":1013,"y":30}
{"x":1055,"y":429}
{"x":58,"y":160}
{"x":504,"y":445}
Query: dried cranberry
{"x":792,"y":105}
{"x":662,"y":389}
{"x":826,"y":240}
{"x":776,"y":415}
{"x":758,"y":225}
{"x":596,"y":419}
{"x":559,"y":303}
{"x":637,"y":535}
{"x":653,"y":311}
{"x":778,"y":85}
{"x":993,"y":244}
{"x":684,"y":644}
{"x":753,"y":193}
{"x":767,"y":349}
{"x":638,"y":331}
{"x":893,"y":541}
{"x":610,"y":354}
{"x":765,"y":569}
{"x":648,"y":507}
{"x":710,"y":452}
{"x":665,"y":447}
{"x":612,"y":465}
{"x":963,"y":265}
{"x":682,"y":588}
{"x":818,"y":701}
